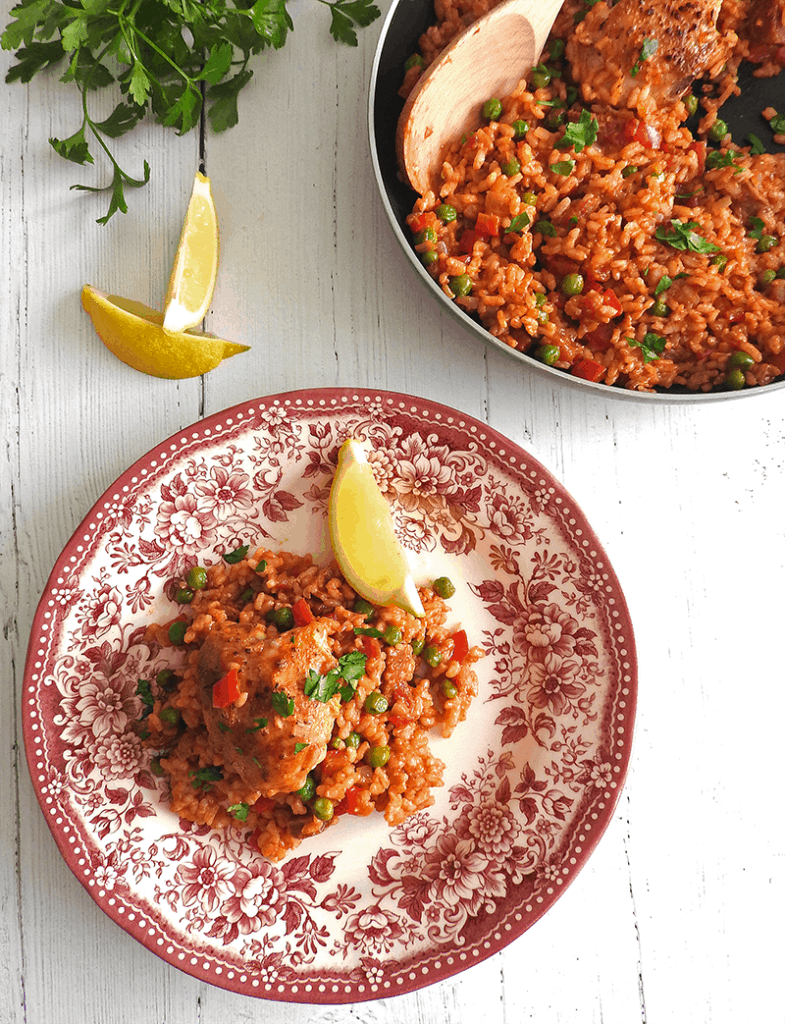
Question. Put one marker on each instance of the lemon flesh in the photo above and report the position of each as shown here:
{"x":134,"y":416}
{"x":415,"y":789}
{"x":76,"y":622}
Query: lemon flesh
{"x":196,"y":262}
{"x":366,"y":548}
{"x":135,"y":333}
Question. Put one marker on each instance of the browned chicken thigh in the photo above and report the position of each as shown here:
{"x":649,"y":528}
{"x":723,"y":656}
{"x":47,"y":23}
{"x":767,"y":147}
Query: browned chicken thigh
{"x":645,"y":55}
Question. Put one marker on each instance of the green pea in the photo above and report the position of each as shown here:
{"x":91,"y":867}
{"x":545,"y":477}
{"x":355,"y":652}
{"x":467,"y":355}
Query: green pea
{"x":628,"y":171}
{"x":156,"y":767}
{"x":541,"y":76}
{"x":542,"y":317}
{"x":283,"y":619}
{"x":166,"y":678}
{"x":492,"y":109}
{"x":184,"y":595}
{"x":572,"y":284}
{"x":520,"y":128}
{"x":444,"y":586}
{"x":446,"y":213}
{"x":766,"y":243}
{"x":530,"y":198}
{"x":197,"y":578}
{"x":376,"y":703}
{"x":169,"y":715}
{"x":428,"y":257}
{"x":512,"y":167}
{"x":177,"y":632}
{"x":379,"y":756}
{"x":417,"y":645}
{"x":659,"y":308}
{"x":415,"y":61}
{"x":323,"y":808}
{"x":735,"y":379}
{"x":739,"y":358}
{"x":548,"y":354}
{"x":432,"y":655}
{"x":363,"y":607}
{"x":353,"y":740}
{"x":461,"y":285}
{"x":308,"y":790}
{"x":718,"y":131}
{"x":691,"y":103}
{"x":392,"y":636}
{"x":426,"y":235}
{"x":767,"y":277}
{"x":449,"y":689}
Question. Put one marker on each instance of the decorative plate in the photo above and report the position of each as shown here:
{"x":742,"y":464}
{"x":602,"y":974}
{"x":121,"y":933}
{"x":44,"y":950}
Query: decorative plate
{"x":532,"y":776}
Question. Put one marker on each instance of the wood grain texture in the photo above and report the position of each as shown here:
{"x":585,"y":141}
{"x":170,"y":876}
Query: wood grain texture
{"x":678,"y":915}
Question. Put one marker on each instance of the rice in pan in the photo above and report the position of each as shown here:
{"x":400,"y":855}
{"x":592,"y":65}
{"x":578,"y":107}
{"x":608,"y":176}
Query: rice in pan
{"x":294,"y":702}
{"x":584,"y":223}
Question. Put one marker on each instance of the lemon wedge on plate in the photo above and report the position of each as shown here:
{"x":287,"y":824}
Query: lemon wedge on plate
{"x":196,"y":262}
{"x":135,"y":333}
{"x":366,"y":548}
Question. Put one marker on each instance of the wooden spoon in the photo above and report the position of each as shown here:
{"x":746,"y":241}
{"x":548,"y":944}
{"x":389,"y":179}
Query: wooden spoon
{"x":488,"y":59}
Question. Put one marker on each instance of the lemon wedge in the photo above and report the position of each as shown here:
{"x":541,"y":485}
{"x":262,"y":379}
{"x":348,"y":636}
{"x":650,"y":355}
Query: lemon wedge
{"x":135,"y":333}
{"x":366,"y":548}
{"x":196,"y":262}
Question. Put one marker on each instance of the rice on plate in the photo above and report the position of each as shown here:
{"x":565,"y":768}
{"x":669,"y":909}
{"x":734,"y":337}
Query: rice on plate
{"x":585,"y":223}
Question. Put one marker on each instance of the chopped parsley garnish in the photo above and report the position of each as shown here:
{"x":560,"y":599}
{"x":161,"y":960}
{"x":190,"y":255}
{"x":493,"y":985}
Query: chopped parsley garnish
{"x":651,"y":347}
{"x":350,"y":667}
{"x":545,"y":228}
{"x":239,"y":811}
{"x":300,"y":746}
{"x":717,"y":159}
{"x":523,"y":220}
{"x":223,"y":727}
{"x":563,"y":167}
{"x":260,"y":566}
{"x":756,"y":146}
{"x":777,"y":124}
{"x":282,"y":703}
{"x":573,"y":220}
{"x":579,"y":134}
{"x":204,"y":777}
{"x":259,"y":723}
{"x":649,"y":48}
{"x":757,"y":232}
{"x":681,"y":235}
{"x":664,"y":283}
{"x":145,"y":694}
{"x":237,"y":555}
{"x":368,"y":631}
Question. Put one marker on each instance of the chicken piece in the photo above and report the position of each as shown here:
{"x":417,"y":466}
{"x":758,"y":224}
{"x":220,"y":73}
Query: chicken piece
{"x":765,"y":25}
{"x":645,"y":55}
{"x":271,"y":751}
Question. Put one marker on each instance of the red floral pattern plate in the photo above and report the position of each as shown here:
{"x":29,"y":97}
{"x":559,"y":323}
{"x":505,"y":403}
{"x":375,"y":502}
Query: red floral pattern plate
{"x":361,"y":911}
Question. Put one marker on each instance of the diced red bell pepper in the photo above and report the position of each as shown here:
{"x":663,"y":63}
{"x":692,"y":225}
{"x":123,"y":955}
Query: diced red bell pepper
{"x":699,"y":148}
{"x":600,"y":338}
{"x":609,"y":298}
{"x":352,"y":803}
{"x":587,"y":369}
{"x":487,"y":225}
{"x":226,"y":690}
{"x":302,"y":613}
{"x":468,"y":238}
{"x":460,"y":645}
{"x":422,"y":220}
{"x":371,"y":647}
{"x":639,"y":131}
{"x":264,"y":805}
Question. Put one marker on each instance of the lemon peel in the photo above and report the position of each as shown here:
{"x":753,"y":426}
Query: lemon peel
{"x":135,"y":333}
{"x":195,"y":267}
{"x":365,"y":545}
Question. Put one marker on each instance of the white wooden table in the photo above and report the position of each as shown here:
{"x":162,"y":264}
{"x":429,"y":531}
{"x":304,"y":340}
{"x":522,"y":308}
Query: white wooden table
{"x":678,"y":917}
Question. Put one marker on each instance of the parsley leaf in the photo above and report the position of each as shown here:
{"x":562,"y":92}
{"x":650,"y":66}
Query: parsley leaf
{"x":300,"y":746}
{"x":239,"y":811}
{"x":350,"y":667}
{"x":580,"y":134}
{"x":258,"y":723}
{"x":145,"y":693}
{"x":651,"y":347}
{"x":663,"y":284}
{"x":716,"y":158}
{"x":282,"y":703}
{"x":521,"y":221}
{"x":756,"y":146}
{"x":757,"y":228}
{"x":563,"y":167}
{"x":204,"y":777}
{"x":167,"y":51}
{"x":680,"y":235}
{"x":648,"y":49}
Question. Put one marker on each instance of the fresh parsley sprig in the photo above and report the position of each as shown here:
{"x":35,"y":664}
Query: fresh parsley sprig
{"x":681,"y":235}
{"x":170,"y":58}
{"x":341,"y":679}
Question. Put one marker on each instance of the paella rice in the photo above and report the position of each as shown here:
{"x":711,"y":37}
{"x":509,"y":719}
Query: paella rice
{"x":586,"y":223}
{"x":287,"y":702}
